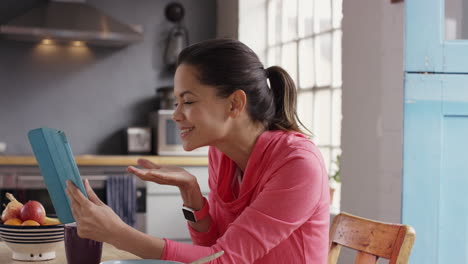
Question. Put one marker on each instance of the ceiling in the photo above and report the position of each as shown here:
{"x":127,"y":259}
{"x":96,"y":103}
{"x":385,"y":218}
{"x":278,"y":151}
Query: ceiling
{"x":12,"y":8}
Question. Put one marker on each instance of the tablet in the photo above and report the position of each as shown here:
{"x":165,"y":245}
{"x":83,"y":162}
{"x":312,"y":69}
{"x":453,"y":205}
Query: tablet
{"x":57,"y":165}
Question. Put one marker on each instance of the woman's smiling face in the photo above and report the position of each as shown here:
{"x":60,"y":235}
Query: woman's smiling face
{"x":200,"y":114}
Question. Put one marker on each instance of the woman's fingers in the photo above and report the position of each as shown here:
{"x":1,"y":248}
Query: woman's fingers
{"x":75,"y":211}
{"x":154,"y":176}
{"x":91,"y":194}
{"x":73,"y":203}
{"x":71,"y":192}
{"x":148,"y":164}
{"x":142,"y":174}
{"x":74,"y":193}
{"x":145,"y":175}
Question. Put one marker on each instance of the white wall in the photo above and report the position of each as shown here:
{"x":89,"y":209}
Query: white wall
{"x":252,"y":26}
{"x":373,"y":39}
{"x":250,"y":30}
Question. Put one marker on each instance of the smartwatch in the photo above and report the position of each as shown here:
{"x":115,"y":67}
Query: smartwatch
{"x":195,"y":216}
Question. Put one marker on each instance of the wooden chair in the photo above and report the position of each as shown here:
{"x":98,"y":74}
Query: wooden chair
{"x":372,"y":240}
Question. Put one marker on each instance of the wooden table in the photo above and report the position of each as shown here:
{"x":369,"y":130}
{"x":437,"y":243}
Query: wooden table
{"x":109,"y":252}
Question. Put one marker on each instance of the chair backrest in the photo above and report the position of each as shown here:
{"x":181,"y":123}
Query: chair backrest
{"x":371,"y":239}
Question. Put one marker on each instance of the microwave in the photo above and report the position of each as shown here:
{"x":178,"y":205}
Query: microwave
{"x":166,"y":136}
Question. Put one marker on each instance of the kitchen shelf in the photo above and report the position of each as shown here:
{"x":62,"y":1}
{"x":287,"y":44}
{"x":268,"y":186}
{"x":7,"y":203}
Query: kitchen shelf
{"x":99,"y":160}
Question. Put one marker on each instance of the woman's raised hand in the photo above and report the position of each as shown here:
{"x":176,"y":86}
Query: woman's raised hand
{"x":163,"y":174}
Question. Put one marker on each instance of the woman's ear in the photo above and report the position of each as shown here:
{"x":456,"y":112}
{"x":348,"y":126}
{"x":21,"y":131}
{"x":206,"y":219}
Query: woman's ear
{"x":238,"y":100}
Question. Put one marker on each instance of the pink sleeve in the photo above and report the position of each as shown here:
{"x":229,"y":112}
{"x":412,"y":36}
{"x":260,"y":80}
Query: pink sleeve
{"x":287,"y":200}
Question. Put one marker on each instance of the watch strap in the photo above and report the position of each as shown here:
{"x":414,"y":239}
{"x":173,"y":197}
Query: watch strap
{"x":195,"y":216}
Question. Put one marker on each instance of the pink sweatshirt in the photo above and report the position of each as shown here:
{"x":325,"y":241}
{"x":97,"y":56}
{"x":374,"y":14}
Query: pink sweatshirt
{"x":281,"y":215}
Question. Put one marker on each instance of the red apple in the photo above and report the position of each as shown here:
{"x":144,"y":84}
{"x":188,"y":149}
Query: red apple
{"x":13,"y":208}
{"x":33,"y":210}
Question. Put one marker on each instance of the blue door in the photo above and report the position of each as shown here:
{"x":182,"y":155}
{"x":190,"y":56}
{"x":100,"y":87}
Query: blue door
{"x":435,"y":165}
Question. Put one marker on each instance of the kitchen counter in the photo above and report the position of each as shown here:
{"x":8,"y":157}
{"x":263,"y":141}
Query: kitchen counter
{"x":98,"y":160}
{"x":109,"y":252}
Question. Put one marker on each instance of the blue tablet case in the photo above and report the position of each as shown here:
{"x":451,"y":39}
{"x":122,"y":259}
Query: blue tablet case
{"x":57,"y":165}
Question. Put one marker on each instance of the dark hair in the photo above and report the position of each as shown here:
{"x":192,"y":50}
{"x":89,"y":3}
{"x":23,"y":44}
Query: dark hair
{"x":230,"y":65}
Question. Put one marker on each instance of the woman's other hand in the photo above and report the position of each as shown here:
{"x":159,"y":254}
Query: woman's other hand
{"x":163,"y":174}
{"x":171,"y":175}
{"x":95,"y":220}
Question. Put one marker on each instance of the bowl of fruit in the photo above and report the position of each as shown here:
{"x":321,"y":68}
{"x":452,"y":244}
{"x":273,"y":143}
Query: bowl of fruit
{"x":29,"y":232}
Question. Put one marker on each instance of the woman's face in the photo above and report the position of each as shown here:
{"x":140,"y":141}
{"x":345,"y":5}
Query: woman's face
{"x":201,"y":116}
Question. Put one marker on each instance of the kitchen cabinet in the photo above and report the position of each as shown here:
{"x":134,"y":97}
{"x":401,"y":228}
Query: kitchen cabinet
{"x":161,"y":201}
{"x":26,"y":183}
{"x":164,"y":207}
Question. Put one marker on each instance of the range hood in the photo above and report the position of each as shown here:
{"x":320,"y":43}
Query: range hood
{"x":70,"y":21}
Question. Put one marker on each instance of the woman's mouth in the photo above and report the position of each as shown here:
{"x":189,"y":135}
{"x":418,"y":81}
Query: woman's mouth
{"x":185,"y":131}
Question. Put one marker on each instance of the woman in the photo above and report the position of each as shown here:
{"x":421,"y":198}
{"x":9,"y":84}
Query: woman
{"x":268,"y":200}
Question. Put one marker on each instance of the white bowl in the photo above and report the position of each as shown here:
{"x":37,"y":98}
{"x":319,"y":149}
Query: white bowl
{"x":32,"y":243}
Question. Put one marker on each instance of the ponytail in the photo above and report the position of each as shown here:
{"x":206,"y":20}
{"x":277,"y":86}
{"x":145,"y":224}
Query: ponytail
{"x":285,"y":101}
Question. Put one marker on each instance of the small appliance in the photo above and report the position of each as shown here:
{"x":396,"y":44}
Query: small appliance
{"x":138,"y":140}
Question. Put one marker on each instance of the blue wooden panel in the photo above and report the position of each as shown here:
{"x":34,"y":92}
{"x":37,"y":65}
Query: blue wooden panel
{"x":435,"y":173}
{"x":423,"y":52}
{"x":435,"y":166}
{"x":421,"y":159}
{"x":453,"y":219}
{"x":455,"y":95}
{"x":455,"y":56}
{"x":453,"y":216}
{"x":426,"y":49}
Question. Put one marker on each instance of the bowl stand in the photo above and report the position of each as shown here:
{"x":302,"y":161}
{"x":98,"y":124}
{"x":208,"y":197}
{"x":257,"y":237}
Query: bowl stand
{"x":34,"y":256}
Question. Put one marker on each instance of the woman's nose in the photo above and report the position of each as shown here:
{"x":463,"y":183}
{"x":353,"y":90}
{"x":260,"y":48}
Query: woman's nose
{"x":177,"y":115}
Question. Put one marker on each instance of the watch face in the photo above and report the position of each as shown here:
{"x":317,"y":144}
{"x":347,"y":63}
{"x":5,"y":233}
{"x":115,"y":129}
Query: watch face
{"x":189,"y":215}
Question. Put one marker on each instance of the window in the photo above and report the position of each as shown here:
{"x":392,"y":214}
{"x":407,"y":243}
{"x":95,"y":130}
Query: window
{"x":303,"y":37}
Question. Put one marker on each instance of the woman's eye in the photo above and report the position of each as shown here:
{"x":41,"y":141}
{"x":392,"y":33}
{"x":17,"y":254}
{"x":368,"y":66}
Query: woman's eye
{"x":185,"y":103}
